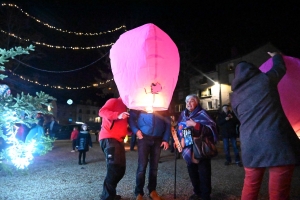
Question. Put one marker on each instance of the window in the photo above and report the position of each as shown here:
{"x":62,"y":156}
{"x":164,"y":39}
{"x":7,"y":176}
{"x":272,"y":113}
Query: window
{"x":179,"y":107}
{"x":209,"y":91}
{"x":209,"y":105}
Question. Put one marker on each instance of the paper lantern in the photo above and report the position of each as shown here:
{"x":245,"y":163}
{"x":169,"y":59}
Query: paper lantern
{"x":288,"y":89}
{"x":145,"y":65}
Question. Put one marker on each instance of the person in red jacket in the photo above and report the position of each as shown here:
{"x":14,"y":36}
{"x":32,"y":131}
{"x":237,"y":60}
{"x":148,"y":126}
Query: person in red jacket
{"x":113,"y":131}
{"x":74,"y":135}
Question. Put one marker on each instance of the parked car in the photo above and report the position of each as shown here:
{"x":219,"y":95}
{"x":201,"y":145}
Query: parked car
{"x":65,"y":131}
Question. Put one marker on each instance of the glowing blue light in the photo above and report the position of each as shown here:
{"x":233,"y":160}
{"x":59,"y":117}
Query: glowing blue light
{"x":20,"y":153}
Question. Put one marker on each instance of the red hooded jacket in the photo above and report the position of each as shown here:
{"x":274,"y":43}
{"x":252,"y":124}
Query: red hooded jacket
{"x":112,"y":127}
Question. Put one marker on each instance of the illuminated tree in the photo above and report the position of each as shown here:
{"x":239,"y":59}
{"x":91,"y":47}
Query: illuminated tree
{"x":12,"y":111}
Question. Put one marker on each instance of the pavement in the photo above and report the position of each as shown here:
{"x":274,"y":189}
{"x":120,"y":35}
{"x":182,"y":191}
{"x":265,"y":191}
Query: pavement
{"x":58,"y":176}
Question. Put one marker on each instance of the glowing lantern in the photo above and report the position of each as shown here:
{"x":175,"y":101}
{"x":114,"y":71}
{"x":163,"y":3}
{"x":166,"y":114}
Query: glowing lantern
{"x":288,"y":89}
{"x":145,"y":65}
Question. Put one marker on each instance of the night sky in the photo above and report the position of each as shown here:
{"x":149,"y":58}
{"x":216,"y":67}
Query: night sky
{"x":211,"y":31}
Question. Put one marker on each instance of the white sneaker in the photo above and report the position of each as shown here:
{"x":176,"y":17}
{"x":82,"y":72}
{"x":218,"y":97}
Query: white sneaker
{"x":72,"y":151}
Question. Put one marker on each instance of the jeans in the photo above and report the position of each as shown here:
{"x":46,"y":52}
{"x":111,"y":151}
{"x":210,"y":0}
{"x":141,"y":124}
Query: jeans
{"x":148,"y":151}
{"x":200,"y":175}
{"x":227,"y":149}
{"x":132,"y":142}
{"x":115,"y":165}
{"x":279,"y":182}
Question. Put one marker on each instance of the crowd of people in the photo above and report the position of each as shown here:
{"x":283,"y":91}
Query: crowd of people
{"x":255,"y":103}
{"x":40,"y":127}
{"x":255,"y":115}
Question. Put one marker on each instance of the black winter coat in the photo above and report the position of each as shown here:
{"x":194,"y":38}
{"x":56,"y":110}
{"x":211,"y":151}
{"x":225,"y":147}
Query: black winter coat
{"x":267,"y":138}
{"x":227,"y":127}
{"x":83,"y":141}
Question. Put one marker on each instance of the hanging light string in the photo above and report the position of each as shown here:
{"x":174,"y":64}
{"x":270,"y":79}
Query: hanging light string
{"x":73,"y":70}
{"x":55,"y":46}
{"x":62,"y":87}
{"x":65,"y":31}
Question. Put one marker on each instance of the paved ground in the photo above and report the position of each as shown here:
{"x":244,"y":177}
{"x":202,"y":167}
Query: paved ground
{"x":58,"y":176}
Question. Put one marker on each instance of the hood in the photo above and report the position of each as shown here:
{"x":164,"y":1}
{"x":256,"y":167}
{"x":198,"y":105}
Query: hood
{"x":243,"y":72}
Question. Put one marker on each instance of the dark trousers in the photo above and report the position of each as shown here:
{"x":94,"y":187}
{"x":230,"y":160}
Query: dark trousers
{"x":73,"y":144}
{"x":148,"y":151}
{"x":227,"y":149}
{"x":81,"y":154}
{"x":200,"y":175}
{"x":132,"y":141}
{"x":115,"y":164}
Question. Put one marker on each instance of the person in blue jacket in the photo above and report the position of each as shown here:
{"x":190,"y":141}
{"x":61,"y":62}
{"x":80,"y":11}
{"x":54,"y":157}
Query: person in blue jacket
{"x":153,"y":131}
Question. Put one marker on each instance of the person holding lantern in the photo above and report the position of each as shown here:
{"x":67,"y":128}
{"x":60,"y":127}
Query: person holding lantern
{"x":153,"y":131}
{"x":111,"y":137}
{"x":196,"y":119}
{"x":267,"y":138}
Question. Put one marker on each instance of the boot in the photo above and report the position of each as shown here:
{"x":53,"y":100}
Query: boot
{"x":139,"y":197}
{"x":154,"y":196}
{"x":79,"y":163}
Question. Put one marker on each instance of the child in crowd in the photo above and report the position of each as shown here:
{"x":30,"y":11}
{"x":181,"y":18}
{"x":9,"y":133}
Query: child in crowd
{"x":83,"y":142}
{"x":74,"y":136}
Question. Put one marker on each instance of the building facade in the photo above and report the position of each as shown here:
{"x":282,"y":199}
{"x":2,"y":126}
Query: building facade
{"x":68,"y":114}
{"x":214,"y":88}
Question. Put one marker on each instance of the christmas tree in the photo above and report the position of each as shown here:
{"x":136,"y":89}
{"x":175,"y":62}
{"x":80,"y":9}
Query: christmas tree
{"x":20,"y":109}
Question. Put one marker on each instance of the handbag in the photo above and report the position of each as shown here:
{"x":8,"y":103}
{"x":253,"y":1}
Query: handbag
{"x":204,"y":148}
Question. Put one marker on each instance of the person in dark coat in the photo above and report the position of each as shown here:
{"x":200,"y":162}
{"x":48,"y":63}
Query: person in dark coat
{"x":83,"y":142}
{"x":53,"y":127}
{"x":227,"y":122}
{"x":267,"y":138}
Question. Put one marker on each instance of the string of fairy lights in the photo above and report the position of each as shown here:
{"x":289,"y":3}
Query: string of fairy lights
{"x":62,"y":87}
{"x":56,"y":46}
{"x":61,"y":30}
{"x":61,"y":47}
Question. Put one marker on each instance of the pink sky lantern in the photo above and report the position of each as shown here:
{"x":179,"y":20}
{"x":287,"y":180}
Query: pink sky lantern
{"x":145,"y":65}
{"x":288,"y":89}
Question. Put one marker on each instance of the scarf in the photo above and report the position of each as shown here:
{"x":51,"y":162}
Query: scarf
{"x":200,"y":116}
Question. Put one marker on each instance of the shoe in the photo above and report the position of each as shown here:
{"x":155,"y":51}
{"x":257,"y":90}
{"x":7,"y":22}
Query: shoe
{"x":79,"y":163}
{"x":194,"y":197}
{"x":139,"y":197}
{"x":84,"y":163}
{"x":227,"y":163}
{"x":154,"y":196}
{"x":239,"y":164}
{"x":117,"y":197}
{"x":73,"y":151}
